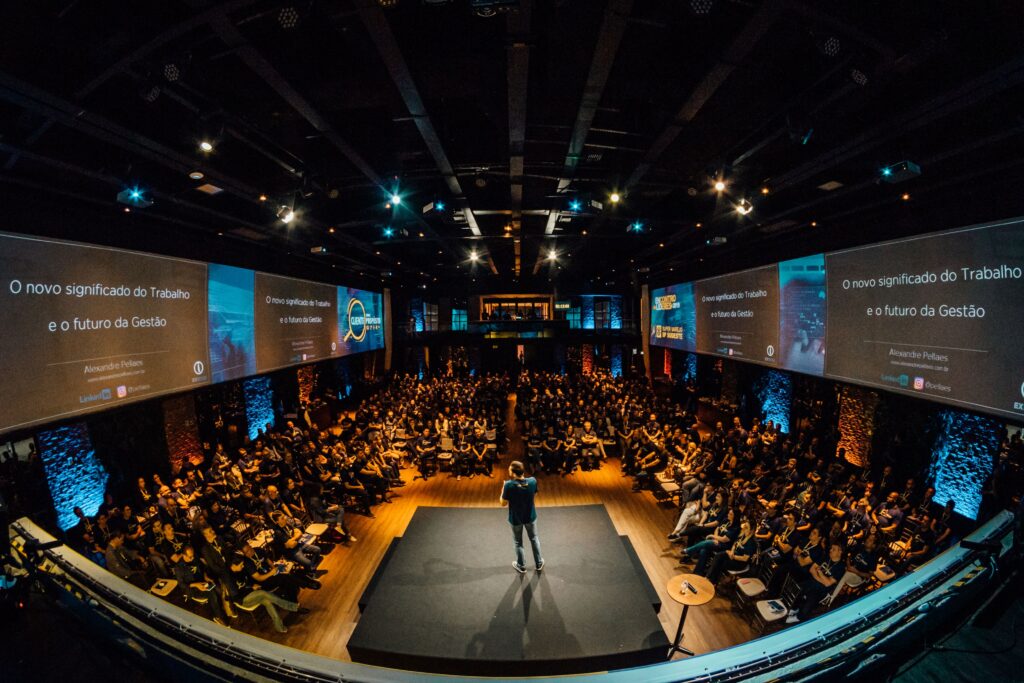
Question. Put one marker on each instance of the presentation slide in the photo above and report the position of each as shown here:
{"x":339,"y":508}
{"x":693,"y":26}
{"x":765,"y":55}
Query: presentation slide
{"x":360,"y":321}
{"x":296,"y":321}
{"x":232,"y":323}
{"x":674,"y":317}
{"x":939,"y":316}
{"x":87,"y":327}
{"x":738,"y":315}
{"x":802,"y":314}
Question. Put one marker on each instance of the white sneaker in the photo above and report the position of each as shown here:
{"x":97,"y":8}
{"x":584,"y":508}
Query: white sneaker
{"x":793,"y":617}
{"x":540,"y":566}
{"x":519,"y":568}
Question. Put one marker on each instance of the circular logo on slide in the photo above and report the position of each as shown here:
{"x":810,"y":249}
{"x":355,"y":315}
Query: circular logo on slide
{"x":770,"y":350}
{"x":351,"y":334}
{"x":198,"y":367}
{"x":1022,"y":388}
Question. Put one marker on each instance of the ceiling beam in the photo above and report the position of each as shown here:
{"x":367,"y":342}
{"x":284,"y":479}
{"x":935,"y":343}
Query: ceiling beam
{"x":74,"y":116}
{"x":613,"y":27}
{"x":258,"y":64}
{"x":383,"y":38}
{"x":733,"y":56}
{"x":131,"y":58}
{"x":517,"y":51}
{"x":616,"y":18}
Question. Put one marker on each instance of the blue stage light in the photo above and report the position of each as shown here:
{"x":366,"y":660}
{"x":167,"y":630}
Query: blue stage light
{"x":439,"y":206}
{"x":886,"y":171}
{"x":575,"y":205}
{"x":389,"y":232}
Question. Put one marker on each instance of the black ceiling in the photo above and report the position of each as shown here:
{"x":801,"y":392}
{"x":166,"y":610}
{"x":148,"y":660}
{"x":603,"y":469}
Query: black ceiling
{"x":506,"y":119}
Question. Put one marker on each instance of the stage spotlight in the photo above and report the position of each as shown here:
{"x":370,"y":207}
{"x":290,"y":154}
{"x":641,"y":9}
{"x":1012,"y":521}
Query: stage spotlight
{"x":575,"y":205}
{"x":206,"y":146}
{"x":830,"y":46}
{"x":196,"y":175}
{"x":474,"y":256}
{"x":286,"y":215}
{"x":719,"y":185}
{"x":701,"y":7}
{"x":765,"y":190}
{"x":396,"y":199}
{"x":263,"y":197}
{"x":905,"y":196}
{"x":288,"y":17}
{"x":150,"y":93}
{"x":552,"y":255}
{"x":615,"y":197}
{"x":744,"y":207}
{"x":389,"y":232}
{"x":859,"y":77}
{"x":636,"y":226}
{"x":172,"y":72}
{"x":439,"y":206}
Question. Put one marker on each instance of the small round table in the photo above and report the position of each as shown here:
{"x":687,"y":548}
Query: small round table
{"x":703,"y":592}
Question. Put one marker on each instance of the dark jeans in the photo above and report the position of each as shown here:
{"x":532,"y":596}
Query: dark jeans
{"x":517,"y":537}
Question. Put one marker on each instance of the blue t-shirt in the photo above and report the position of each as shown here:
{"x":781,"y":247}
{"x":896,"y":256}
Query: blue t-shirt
{"x":519,"y":493}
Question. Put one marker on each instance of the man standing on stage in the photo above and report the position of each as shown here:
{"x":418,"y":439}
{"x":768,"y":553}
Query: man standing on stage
{"x":518,"y":494}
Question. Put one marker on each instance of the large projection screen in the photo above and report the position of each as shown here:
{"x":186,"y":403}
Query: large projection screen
{"x":296,"y":321}
{"x":88,"y":327}
{"x":738,"y":315}
{"x":674,"y":318}
{"x":360,"y":321}
{"x":939,"y":317}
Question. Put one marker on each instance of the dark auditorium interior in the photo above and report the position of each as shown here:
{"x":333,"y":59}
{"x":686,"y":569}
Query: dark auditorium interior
{"x":639,"y":341}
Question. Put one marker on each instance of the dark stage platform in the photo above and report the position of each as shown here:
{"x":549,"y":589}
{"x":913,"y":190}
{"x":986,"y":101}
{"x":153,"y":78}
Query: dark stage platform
{"x":449,"y":601}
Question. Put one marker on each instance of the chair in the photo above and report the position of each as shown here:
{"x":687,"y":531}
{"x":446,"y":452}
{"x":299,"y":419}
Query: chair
{"x":444,"y":456}
{"x":851,"y":580}
{"x":251,"y":611}
{"x":750,"y":588}
{"x":667,"y":488}
{"x":764,"y":613}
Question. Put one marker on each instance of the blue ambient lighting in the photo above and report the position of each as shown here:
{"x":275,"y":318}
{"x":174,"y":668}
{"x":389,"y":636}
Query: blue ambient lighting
{"x":74,"y":474}
{"x":775,"y":392}
{"x":259,"y":404}
{"x":962,"y":459}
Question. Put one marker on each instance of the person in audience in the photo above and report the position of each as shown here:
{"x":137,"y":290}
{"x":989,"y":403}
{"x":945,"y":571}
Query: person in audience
{"x":743,"y":490}
{"x":822,"y":577}
{"x":197,"y":585}
{"x":248,"y":594}
{"x":125,"y":562}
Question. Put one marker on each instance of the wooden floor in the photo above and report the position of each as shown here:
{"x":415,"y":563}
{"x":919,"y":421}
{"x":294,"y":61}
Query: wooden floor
{"x":334,"y":612}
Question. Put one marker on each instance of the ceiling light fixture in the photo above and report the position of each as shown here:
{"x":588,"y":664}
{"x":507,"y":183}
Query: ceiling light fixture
{"x":615,"y":197}
{"x":552,"y":255}
{"x":263,"y":197}
{"x":719,"y":185}
{"x":744,"y":207}
{"x":474,"y":256}
{"x":206,"y":146}
{"x":196,"y":175}
{"x":396,"y":199}
{"x":288,"y":17}
{"x":286,"y":214}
